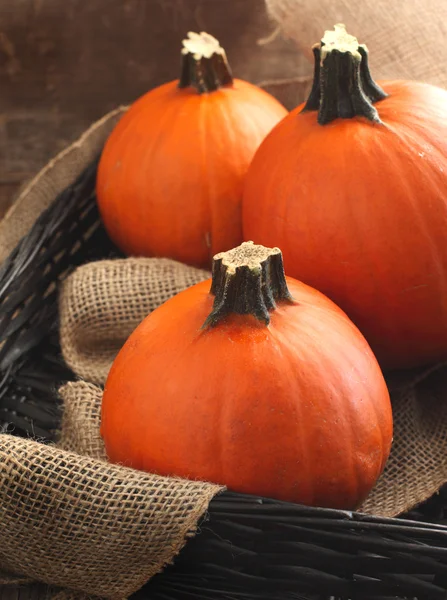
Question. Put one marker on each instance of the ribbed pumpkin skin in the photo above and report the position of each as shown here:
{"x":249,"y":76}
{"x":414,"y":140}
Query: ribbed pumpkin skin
{"x":170,"y":178}
{"x":359,"y":211}
{"x":298,"y":410}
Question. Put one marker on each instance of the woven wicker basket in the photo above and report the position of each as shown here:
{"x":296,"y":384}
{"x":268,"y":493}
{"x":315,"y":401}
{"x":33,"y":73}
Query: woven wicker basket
{"x":250,"y":548}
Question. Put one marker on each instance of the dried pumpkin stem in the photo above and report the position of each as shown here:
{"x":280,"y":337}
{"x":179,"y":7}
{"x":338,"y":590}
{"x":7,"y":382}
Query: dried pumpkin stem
{"x":204,"y":64}
{"x":343,"y":86}
{"x":249,"y":279}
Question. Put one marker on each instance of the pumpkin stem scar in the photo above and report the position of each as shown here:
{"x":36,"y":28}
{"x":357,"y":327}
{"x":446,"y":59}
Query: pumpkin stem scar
{"x":249,"y":279}
{"x":342,"y":85}
{"x":204,"y":64}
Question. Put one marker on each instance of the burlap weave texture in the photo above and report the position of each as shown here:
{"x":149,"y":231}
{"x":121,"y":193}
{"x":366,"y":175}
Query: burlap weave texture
{"x":70,"y":519}
{"x":406,"y":38}
{"x":103,"y":302}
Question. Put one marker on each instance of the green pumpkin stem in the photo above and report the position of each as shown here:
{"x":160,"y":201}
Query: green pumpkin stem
{"x":204,"y":64}
{"x":342,"y":85}
{"x":248,"y":280}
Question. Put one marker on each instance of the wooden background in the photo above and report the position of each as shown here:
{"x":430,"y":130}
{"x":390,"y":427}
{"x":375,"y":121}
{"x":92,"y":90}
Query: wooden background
{"x":65,"y":63}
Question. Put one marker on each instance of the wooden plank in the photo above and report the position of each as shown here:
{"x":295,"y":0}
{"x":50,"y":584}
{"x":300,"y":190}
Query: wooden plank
{"x":7,"y":193}
{"x":28,"y":592}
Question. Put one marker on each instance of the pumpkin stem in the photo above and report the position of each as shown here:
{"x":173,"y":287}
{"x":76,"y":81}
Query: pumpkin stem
{"x":204,"y":64}
{"x":342,"y":85}
{"x":249,"y":279}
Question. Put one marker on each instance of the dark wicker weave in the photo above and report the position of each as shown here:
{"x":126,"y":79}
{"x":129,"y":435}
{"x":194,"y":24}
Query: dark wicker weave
{"x":248,"y":548}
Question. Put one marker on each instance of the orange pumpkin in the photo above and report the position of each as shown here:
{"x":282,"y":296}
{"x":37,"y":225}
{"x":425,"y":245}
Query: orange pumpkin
{"x":261,"y":384}
{"x":353,"y":187}
{"x":170,"y":178}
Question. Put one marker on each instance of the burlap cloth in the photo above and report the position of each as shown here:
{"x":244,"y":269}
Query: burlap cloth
{"x":67,"y":517}
{"x":405,"y":38}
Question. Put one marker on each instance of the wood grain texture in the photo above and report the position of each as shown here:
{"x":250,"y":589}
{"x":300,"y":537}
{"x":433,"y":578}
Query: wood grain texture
{"x":28,"y":592}
{"x":65,"y":64}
